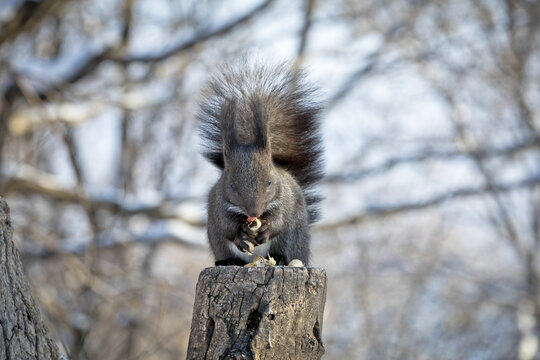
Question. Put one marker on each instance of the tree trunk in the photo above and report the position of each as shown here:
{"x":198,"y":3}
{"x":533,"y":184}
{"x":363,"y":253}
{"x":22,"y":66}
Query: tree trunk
{"x":258,"y":313}
{"x":23,"y":333}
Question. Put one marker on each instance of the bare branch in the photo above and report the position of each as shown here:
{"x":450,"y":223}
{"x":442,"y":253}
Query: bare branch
{"x":197,"y":39}
{"x":31,"y":181}
{"x":28,"y":17}
{"x":89,"y":63}
{"x":434,"y":154}
{"x":177,"y":233}
{"x":128,"y":19}
{"x":309,"y":5}
{"x":535,"y":205}
{"x":396,"y":209}
{"x":359,"y":74}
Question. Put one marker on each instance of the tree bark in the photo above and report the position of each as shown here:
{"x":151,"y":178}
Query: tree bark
{"x":22,"y":331}
{"x":258,"y":313}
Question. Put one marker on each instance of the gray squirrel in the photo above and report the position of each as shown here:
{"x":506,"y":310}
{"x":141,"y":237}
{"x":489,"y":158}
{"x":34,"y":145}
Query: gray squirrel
{"x":260,"y":126}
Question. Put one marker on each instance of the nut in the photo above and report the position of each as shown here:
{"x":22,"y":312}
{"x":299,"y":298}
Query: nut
{"x":254,"y":226}
{"x":296,"y":263}
{"x":251,"y":247}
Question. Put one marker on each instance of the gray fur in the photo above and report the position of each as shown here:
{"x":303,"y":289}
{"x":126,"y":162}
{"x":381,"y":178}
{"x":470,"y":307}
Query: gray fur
{"x":262,"y":132}
{"x":289,"y":222}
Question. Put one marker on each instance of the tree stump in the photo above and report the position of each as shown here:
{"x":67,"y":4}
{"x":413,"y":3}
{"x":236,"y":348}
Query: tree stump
{"x":22,"y":331}
{"x":258,"y":313}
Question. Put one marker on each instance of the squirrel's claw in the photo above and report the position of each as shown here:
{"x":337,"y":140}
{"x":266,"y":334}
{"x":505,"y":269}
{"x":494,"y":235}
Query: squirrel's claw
{"x":243,"y":241}
{"x":245,"y":246}
{"x":258,"y":231}
{"x":263,"y":233}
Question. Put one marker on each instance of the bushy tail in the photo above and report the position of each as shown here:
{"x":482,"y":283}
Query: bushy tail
{"x":289,"y":106}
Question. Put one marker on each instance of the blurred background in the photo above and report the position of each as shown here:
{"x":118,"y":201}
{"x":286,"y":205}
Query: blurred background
{"x":431,"y":225}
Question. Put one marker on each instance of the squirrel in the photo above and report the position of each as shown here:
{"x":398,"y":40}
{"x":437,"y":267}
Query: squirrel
{"x":260,"y":127}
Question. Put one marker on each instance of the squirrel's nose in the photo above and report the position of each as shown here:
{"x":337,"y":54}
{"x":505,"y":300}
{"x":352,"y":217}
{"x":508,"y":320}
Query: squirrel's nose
{"x":254,"y":215}
{"x":254,"y":206}
{"x":254,"y":211}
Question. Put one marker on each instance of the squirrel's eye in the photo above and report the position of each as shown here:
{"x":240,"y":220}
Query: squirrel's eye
{"x":233,"y":187}
{"x":269,"y":182}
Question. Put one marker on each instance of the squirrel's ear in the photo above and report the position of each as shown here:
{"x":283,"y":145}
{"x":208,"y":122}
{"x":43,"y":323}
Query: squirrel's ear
{"x":228,"y":133}
{"x":260,"y":123}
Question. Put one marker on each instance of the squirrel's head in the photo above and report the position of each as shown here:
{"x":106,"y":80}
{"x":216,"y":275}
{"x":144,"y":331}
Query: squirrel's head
{"x":249,"y":181}
{"x":249,"y":174}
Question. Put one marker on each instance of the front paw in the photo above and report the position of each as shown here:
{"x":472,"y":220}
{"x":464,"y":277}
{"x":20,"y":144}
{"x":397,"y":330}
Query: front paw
{"x":263,"y":234}
{"x":243,"y":240}
{"x":257,"y":236}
